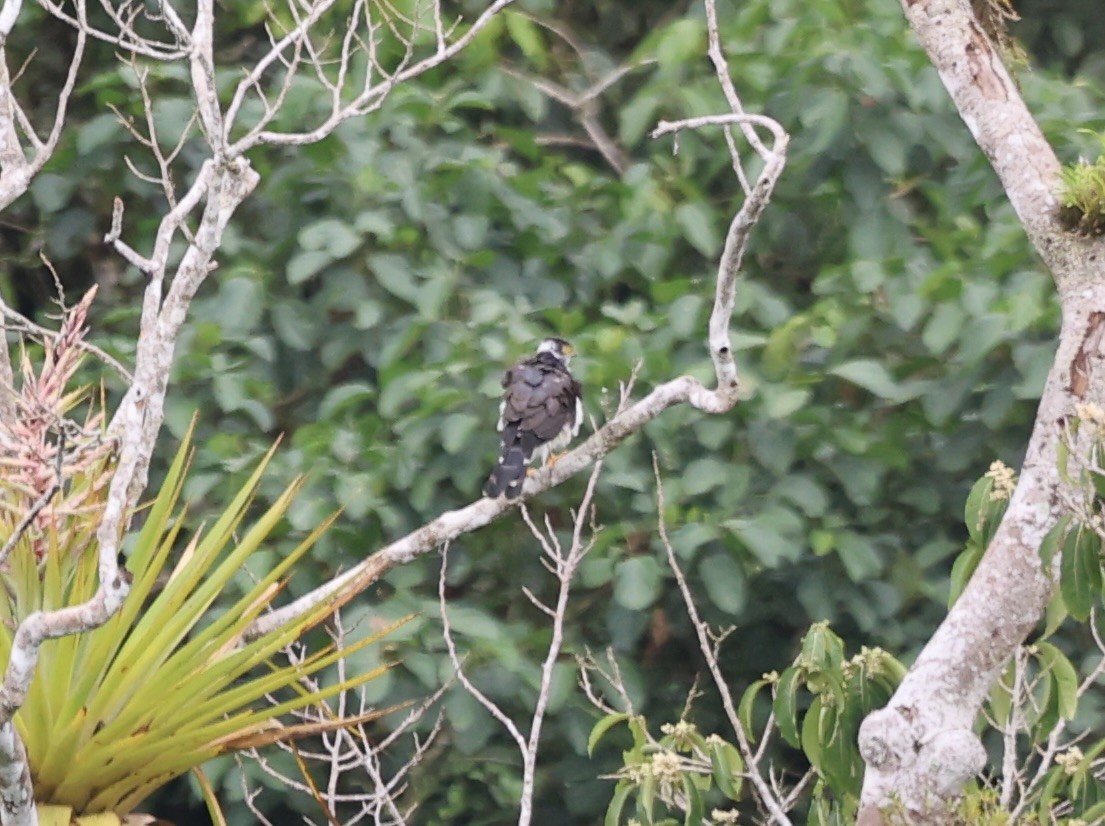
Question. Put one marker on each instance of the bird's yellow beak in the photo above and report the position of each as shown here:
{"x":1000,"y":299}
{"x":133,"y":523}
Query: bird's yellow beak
{"x":569,"y":350}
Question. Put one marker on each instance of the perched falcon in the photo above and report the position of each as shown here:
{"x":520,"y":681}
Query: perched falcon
{"x":540,"y":412}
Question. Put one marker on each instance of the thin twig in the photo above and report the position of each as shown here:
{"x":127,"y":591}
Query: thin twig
{"x":479,"y":696}
{"x":764,"y":791}
{"x":566,"y":567}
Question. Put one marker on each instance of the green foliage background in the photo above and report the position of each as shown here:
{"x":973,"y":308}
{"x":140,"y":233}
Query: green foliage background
{"x":893,"y":331}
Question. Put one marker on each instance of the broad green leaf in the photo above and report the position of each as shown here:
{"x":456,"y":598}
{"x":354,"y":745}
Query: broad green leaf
{"x":293,"y":327}
{"x":976,"y":506}
{"x":1056,"y":779}
{"x":617,"y":803}
{"x":772,"y":535}
{"x":1080,"y":571}
{"x":1085,"y":766}
{"x":786,"y":706}
{"x":859,"y":555}
{"x":822,"y":649}
{"x":818,"y":725}
{"x":601,"y":727}
{"x":646,"y":798}
{"x":330,"y":235}
{"x":872,"y":376}
{"x":698,"y":225}
{"x":680,"y":42}
{"x":943,"y":327}
{"x":637,"y":117}
{"x":51,"y":192}
{"x":637,"y":582}
{"x":727,"y":768}
{"x":747,"y":703}
{"x":695,"y":807}
{"x":1062,"y":674}
{"x":525,"y":33}
{"x":1000,"y":697}
{"x":1053,"y":541}
{"x":1054,"y":615}
{"x":307,"y":263}
{"x":1048,"y":710}
{"x":394,"y":274}
{"x":724,"y":582}
{"x":1094,"y":813}
{"x":96,"y":132}
{"x":963,"y":568}
{"x":704,"y":474}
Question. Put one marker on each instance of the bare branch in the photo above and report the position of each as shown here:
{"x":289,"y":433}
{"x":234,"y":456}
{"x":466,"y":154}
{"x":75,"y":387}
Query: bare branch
{"x":766,"y":794}
{"x":736,"y":240}
{"x":451,"y":524}
{"x":8,"y":15}
{"x":725,"y":79}
{"x":16,"y":169}
{"x":1009,"y":772}
{"x":584,"y":109}
{"x":125,"y":36}
{"x":458,"y":668}
{"x":628,"y":420}
{"x":367,"y":99}
{"x":16,"y":788}
{"x":993,"y":110}
{"x":566,"y":566}
{"x":202,"y":64}
{"x":7,"y":376}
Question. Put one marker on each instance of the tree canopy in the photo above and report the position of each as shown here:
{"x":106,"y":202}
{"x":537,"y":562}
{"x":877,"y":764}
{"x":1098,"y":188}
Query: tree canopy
{"x":893,"y":331}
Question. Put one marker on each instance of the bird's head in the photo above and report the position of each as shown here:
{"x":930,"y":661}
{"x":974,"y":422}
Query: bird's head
{"x":559,"y":348}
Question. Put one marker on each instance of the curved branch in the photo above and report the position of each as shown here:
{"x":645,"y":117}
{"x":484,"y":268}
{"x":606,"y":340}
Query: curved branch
{"x":685,"y":389}
{"x":452,"y":524}
{"x":736,"y":240}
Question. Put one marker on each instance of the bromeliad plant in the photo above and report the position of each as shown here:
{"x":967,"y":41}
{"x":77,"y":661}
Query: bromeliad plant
{"x":171,"y":680}
{"x":167,"y":683}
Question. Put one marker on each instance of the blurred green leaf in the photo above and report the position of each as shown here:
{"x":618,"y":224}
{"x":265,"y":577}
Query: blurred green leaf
{"x":1080,"y":571}
{"x":637,"y":582}
{"x":724,"y":582}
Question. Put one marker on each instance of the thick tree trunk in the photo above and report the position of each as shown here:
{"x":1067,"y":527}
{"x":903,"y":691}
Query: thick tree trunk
{"x":920,"y":749}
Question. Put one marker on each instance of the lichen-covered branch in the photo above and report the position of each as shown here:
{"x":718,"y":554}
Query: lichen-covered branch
{"x":22,"y":152}
{"x":921,"y":749}
{"x":736,"y":239}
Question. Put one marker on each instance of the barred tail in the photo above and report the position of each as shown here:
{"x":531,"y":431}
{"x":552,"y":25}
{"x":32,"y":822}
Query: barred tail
{"x":508,"y":475}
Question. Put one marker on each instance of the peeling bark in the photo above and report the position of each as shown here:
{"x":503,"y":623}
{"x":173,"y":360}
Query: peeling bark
{"x":921,"y":749}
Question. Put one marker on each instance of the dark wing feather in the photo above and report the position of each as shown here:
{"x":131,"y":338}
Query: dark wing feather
{"x":539,"y":401}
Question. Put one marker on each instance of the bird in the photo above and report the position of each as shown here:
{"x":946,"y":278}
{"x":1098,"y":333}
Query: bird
{"x":541,"y":411}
